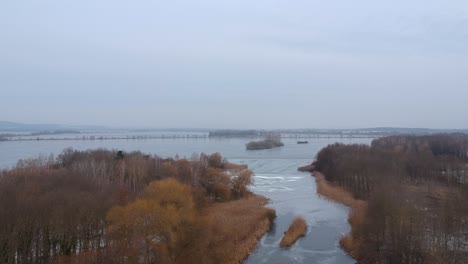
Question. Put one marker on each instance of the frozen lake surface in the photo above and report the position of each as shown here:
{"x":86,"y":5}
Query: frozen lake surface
{"x":292,"y":193}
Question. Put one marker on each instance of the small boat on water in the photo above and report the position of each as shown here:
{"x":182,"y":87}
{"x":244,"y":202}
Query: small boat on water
{"x":302,"y":142}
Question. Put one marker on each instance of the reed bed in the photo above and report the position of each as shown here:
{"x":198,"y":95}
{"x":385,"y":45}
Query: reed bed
{"x":297,"y":229}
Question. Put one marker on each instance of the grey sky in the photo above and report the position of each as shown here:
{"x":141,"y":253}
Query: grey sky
{"x":235,"y":64}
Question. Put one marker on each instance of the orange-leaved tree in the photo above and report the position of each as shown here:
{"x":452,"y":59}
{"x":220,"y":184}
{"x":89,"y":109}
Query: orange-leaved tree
{"x":155,"y":226}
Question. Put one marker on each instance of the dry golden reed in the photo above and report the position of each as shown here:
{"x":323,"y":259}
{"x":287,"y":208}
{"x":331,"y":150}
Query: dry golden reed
{"x":356,"y":216}
{"x":296,"y":230}
{"x":232,"y":229}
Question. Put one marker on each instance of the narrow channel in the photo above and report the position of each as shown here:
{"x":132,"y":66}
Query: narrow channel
{"x":292,"y":194}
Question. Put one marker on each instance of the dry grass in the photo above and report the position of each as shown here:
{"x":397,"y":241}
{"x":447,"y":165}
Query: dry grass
{"x":335,"y":193}
{"x":351,"y":246}
{"x":231,"y":231}
{"x":296,"y":230}
{"x":357,"y":214}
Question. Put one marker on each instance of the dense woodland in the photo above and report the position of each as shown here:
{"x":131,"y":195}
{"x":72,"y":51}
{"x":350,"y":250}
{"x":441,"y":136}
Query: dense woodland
{"x":106,"y":206}
{"x":416,"y":188}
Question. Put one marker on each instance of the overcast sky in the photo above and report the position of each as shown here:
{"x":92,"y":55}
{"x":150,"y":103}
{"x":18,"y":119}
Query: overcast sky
{"x":235,"y":64}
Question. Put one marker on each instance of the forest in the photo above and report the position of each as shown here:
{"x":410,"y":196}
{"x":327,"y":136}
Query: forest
{"x":415,"y":192}
{"x":103,"y":206}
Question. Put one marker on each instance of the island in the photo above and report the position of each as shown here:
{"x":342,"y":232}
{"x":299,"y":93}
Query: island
{"x":297,"y":229}
{"x":268,"y":143}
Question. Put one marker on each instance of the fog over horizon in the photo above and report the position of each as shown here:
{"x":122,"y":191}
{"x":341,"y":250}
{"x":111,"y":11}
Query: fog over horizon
{"x":235,"y":64}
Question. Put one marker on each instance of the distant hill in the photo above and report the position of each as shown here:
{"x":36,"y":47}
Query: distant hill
{"x":415,"y":131}
{"x":376,"y":131}
{"x":6,"y":126}
{"x":20,"y":127}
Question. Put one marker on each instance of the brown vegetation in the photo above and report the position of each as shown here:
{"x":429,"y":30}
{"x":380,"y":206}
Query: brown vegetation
{"x":415,"y":190}
{"x":112,"y":207}
{"x":296,"y":230}
{"x":336,"y":193}
{"x":230,"y":231}
{"x":356,"y":215}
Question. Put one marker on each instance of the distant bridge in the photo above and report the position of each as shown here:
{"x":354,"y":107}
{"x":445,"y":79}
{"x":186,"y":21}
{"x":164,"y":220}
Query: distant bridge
{"x":190,"y":136}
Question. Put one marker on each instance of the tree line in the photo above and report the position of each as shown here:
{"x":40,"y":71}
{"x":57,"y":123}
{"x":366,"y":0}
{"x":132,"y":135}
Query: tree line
{"x":103,"y":206}
{"x":417,"y":192}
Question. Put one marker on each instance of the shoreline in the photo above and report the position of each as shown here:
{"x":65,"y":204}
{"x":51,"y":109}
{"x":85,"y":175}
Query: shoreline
{"x":256,"y":221}
{"x":358,"y":209}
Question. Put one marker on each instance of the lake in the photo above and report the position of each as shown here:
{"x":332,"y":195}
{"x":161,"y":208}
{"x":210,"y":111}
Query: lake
{"x":292,"y":193}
